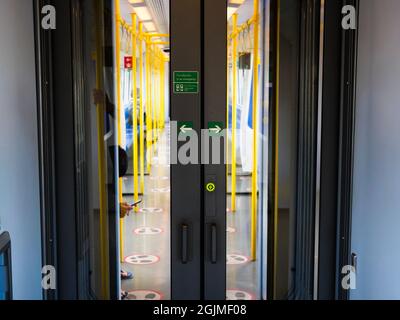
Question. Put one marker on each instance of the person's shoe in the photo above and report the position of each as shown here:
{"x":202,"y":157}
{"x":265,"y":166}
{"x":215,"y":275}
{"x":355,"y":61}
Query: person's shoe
{"x":124,"y":295}
{"x":126,"y":275}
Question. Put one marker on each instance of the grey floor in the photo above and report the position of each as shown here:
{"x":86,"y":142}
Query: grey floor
{"x":152,"y":278}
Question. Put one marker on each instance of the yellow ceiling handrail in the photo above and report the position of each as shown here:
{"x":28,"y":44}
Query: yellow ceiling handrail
{"x":243,"y":27}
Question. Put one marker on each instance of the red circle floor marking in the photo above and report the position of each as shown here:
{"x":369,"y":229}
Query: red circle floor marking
{"x":142,"y":295}
{"x":234,"y":294}
{"x":159,"y":178}
{"x":160,"y":190}
{"x":150,"y":210}
{"x":230,"y":230}
{"x":142,"y":259}
{"x":147,"y":231}
{"x":235,"y":259}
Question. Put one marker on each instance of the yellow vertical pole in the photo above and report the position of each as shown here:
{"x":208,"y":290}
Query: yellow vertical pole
{"x":227,"y":107}
{"x":162,"y":102}
{"x":157,"y":97}
{"x":254,"y":182}
{"x":234,"y":108}
{"x":141,"y":112}
{"x":162,"y":91}
{"x":118,"y":73}
{"x":159,"y":91}
{"x":158,"y":94}
{"x":148,"y":105}
{"x":153,"y":100}
{"x":101,"y":155}
{"x":156,"y":106}
{"x":134,"y":110}
{"x":153,"y":95}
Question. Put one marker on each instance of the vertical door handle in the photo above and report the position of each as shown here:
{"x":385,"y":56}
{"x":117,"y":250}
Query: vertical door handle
{"x":213,"y":244}
{"x":185,"y":241}
{"x":354,"y":261}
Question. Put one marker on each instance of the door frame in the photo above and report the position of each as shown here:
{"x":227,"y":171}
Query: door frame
{"x":338,"y":109}
{"x":60,"y":86}
{"x":46,"y":142}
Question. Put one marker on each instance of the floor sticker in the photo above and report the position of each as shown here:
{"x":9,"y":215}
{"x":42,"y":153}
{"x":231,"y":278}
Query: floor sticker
{"x":238,"y":295}
{"x":162,"y":166}
{"x":142,"y":259}
{"x":151,"y":210}
{"x":161,"y":190}
{"x":147,"y":231}
{"x":233,"y":259}
{"x":159,"y":178}
{"x":142,"y":295}
{"x":230,"y":230}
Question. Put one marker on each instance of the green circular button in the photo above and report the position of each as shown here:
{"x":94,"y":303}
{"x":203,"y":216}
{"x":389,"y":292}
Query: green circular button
{"x":210,"y":187}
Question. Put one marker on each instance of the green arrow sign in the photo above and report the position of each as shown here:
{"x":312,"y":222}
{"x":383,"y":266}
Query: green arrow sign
{"x":215,"y":128}
{"x":185,"y":127}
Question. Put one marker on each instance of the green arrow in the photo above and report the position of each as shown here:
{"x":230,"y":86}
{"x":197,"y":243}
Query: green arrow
{"x":215,"y":127}
{"x":185,"y":127}
{"x":216,"y":130}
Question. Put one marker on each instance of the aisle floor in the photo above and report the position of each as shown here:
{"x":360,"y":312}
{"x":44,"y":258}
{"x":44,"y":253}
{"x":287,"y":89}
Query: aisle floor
{"x":147,"y":237}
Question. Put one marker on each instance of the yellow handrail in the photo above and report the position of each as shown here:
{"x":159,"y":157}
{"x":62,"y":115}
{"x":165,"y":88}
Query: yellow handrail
{"x":153,"y":98}
{"x":158,"y":35}
{"x":162,"y":125}
{"x":156,"y":96}
{"x":234,"y":114}
{"x":254,"y":183}
{"x":148,"y":106}
{"x":160,"y":42}
{"x":141,"y":124}
{"x":134,"y":111}
{"x":242,"y":27}
{"x":101,"y":155}
{"x":227,"y":108}
{"x":118,"y":21}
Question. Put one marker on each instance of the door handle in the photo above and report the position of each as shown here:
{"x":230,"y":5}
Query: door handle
{"x":354,"y":261}
{"x":185,"y":243}
{"x":213,"y":244}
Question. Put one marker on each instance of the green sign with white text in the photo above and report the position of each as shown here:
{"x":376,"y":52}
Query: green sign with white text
{"x":186,"y":82}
